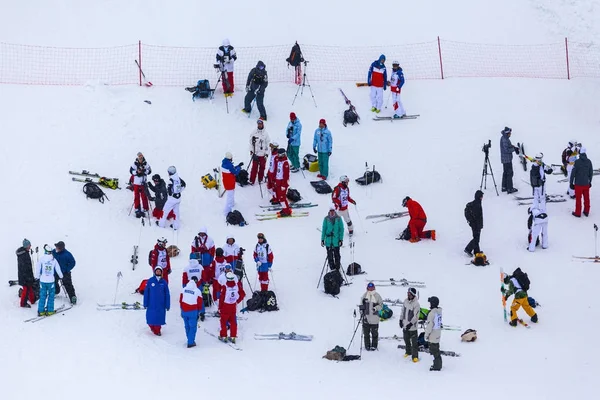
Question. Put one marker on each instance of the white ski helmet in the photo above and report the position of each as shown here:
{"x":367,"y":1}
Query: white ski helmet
{"x":172,"y":170}
{"x":225,"y":43}
{"x":395,"y":62}
{"x":230,"y":276}
{"x":344,"y":179}
{"x":573,"y":143}
{"x":539,"y":156}
{"x":229,"y":156}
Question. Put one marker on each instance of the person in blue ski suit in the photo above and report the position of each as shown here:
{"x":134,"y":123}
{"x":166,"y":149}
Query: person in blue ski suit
{"x":377,"y":81}
{"x":294,"y":133}
{"x":322,"y":145}
{"x":157,"y":301}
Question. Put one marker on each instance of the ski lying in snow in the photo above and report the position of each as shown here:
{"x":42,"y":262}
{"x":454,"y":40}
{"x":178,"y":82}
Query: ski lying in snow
{"x":59,"y":310}
{"x":265,"y":217}
{"x":390,"y":218}
{"x":295,"y":205}
{"x":401,"y":280}
{"x":388,"y":215}
{"x":283,"y":336}
{"x":228,"y":343}
{"x":588,"y":259}
{"x":548,"y":197}
{"x":399,"y":284}
{"x":279,"y":208}
{"x":84,"y":173}
{"x":551,"y":200}
{"x":134,"y":257}
{"x":13,"y":283}
{"x":123,"y":306}
{"x":215,"y":314}
{"x":445,"y":327}
{"x":525,"y":324}
{"x":421,"y":348}
{"x":414,"y":116}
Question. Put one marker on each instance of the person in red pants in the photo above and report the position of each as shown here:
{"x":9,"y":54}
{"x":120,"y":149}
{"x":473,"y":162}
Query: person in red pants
{"x":259,"y":150}
{"x":232,"y":293}
{"x":271,"y":172}
{"x":139,"y":172}
{"x":417,"y":222}
{"x":282,"y":177}
{"x":25,"y":274}
{"x":581,"y":182}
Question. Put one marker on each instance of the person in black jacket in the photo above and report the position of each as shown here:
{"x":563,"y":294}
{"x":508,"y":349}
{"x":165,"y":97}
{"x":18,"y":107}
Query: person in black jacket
{"x":255,"y":87}
{"x":581,"y":182}
{"x":537,"y":178}
{"x":25,"y":270}
{"x":160,"y":195}
{"x":474,"y":216}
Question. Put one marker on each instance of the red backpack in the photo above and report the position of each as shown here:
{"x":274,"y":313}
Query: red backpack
{"x":142,"y":287}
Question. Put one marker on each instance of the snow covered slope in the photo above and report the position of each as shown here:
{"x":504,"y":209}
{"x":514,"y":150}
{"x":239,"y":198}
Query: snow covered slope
{"x":436,"y":159}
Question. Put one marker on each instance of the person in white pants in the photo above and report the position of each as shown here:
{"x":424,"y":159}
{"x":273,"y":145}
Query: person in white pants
{"x":396,"y":83}
{"x":229,"y":172}
{"x":377,"y":81}
{"x":540,"y":226}
{"x":176,"y":186}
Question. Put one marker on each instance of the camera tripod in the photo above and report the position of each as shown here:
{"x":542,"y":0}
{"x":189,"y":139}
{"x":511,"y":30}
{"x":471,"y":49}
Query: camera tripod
{"x":359,"y":323}
{"x":484,"y":173}
{"x":222,"y":75}
{"x":323,"y":271}
{"x":303,"y":84}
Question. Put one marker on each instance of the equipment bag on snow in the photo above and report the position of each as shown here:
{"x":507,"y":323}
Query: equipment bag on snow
{"x":332,"y":281}
{"x":270,"y":301}
{"x":405,"y":235}
{"x":208,"y":181}
{"x":350,"y":117}
{"x":262,"y":301}
{"x":368,"y":178}
{"x":93,"y":191}
{"x":354,"y":269}
{"x":480,"y":260}
{"x":202,"y":90}
{"x":321,"y":187}
{"x":242,"y":177}
{"x":110,"y":183}
{"x":522,"y":278}
{"x":385,"y":313}
{"x":235,"y":218}
{"x":310,"y":162}
{"x":293,"y":195}
{"x":256,"y":302}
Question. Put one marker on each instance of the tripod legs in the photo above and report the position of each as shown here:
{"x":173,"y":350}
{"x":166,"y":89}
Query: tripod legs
{"x":484,"y":174}
{"x":301,"y":86}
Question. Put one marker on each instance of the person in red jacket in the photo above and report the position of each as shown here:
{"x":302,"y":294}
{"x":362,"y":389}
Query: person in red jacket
{"x":417,"y":222}
{"x":204,"y":247}
{"x":341,"y":198}
{"x":159,"y":257}
{"x":282,"y":177}
{"x":232,"y":293}
{"x":218,"y":267}
{"x":271,"y":172}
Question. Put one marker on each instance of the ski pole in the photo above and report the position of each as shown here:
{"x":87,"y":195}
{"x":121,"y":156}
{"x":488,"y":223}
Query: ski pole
{"x":359,"y":219}
{"x":119,"y":275}
{"x":595,"y":241}
{"x":388,"y":99}
{"x":322,"y":271}
{"x":273,"y":278}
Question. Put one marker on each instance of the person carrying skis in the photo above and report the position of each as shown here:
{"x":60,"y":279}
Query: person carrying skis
{"x":218,"y":266}
{"x":259,"y":147}
{"x":377,"y":80}
{"x":139,"y":172}
{"x":433,"y":332}
{"x":581,"y":182}
{"x":474,"y":216}
{"x":518,"y":284}
{"x":293,"y":134}
{"x":409,"y":322}
{"x":396,"y":83}
{"x":371,"y":303}
{"x":573,"y":156}
{"x":232,"y":294}
{"x":282,"y":177}
{"x":537,"y":178}
{"x":256,"y":84}
{"x":506,"y":150}
{"x":417,"y":222}
{"x":263,"y":257}
{"x":47,"y":267}
{"x":204,"y":247}
{"x":66,"y":261}
{"x":271,"y":172}
{"x":332,"y":237}
{"x":159,"y":257}
{"x":229,"y":173}
{"x":341,"y":198}
{"x":190,"y":302}
{"x":566,"y":153}
{"x":157,"y":301}
{"x":175,"y":188}
{"x":225,"y":58}
{"x":160,"y":197}
{"x":25,"y":274}
{"x":539,"y":226}
{"x":322,"y":145}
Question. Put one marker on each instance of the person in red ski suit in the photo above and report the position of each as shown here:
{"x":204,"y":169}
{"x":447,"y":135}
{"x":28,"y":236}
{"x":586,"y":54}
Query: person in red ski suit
{"x":218,"y":267}
{"x":271,"y":172}
{"x":282,"y":177}
{"x":204,"y":247}
{"x":341,"y":198}
{"x":159,"y":257}
{"x":232,"y":293}
{"x":263,"y":257}
{"x":417,"y":222}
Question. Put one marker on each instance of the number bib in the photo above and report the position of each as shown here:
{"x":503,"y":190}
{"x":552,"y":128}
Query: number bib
{"x":232,"y":294}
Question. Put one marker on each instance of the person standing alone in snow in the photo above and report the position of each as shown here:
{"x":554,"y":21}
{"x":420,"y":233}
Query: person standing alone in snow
{"x":332,"y":237}
{"x":474,"y":216}
{"x":341,"y":198}
{"x":47,"y":267}
{"x":293,"y":134}
{"x":66,"y":261}
{"x":433,"y":332}
{"x":581,"y":182}
{"x":255,"y":87}
{"x":396,"y":83}
{"x":139,"y":172}
{"x":417,"y":222}
{"x":322,"y":145}
{"x":408,"y":323}
{"x":190,"y":301}
{"x":232,"y":294}
{"x":229,"y":173}
{"x":377,"y":80}
{"x":282,"y":177}
{"x":259,"y":150}
{"x":174,"y":189}
{"x":371,"y":304}
{"x":263,"y":257}
{"x":225,"y":58}
{"x":157,"y":301}
{"x":506,"y":150}
{"x":25,"y":273}
{"x":539,"y":226}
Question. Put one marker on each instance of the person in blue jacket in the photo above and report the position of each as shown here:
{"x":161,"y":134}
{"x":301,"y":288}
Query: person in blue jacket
{"x":322,"y":145}
{"x":157,"y":301}
{"x":377,"y":81}
{"x":67,"y":262}
{"x":294,"y":132}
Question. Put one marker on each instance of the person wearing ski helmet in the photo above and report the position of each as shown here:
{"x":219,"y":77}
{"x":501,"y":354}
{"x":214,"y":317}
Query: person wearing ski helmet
{"x":263,"y":257}
{"x":159,"y":257}
{"x":370,"y":305}
{"x":396,"y":83}
{"x":474,"y":216}
{"x":506,"y":150}
{"x":157,"y":301}
{"x":282,"y":178}
{"x":139,"y":172}
{"x":218,"y":265}
{"x":259,"y":151}
{"x":232,"y":294}
{"x":272,"y":171}
{"x":175,"y":188}
{"x":433,"y":332}
{"x":226,"y":56}
{"x":408,"y":323}
{"x":332,"y":237}
{"x":229,"y":173}
{"x":294,"y":134}
{"x":159,"y":187}
{"x":341,"y":198}
{"x":377,"y":80}
{"x":322,"y":146}
{"x":537,"y":178}
{"x":417,"y":221}
{"x":47,"y":267}
{"x":256,"y":84}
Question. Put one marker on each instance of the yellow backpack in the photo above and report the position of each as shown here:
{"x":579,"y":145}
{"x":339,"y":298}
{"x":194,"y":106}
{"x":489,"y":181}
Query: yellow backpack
{"x":208,"y":181}
{"x":110,"y":183}
{"x":480,"y":260}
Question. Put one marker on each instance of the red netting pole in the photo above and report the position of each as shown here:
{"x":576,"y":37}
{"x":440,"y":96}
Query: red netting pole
{"x":440,"y":54}
{"x":567,"y":54}
{"x":140,"y":60}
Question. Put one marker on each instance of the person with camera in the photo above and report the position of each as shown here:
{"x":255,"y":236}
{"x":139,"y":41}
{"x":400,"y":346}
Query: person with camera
{"x":139,"y":171}
{"x":371,"y":303}
{"x":377,"y":81}
{"x":294,"y":132}
{"x":408,"y":323}
{"x":474,"y":216}
{"x":581,"y":182}
{"x":341,"y":198}
{"x":225,"y":58}
{"x":322,"y":146}
{"x":332,"y":237}
{"x":256,"y":84}
{"x":433,"y":332}
{"x":537,"y":178}
{"x":506,"y":150}
{"x":231,"y":250}
{"x":229,"y":173}
{"x":259,"y":147}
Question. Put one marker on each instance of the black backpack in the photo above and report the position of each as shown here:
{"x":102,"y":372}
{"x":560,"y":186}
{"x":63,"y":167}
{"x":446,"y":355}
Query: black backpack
{"x":354,"y":269}
{"x":350,"y":117}
{"x":270,"y":301}
{"x":262,"y":301}
{"x":332,"y":281}
{"x":293,"y":195}
{"x":255,"y":303}
{"x":295,"y":57}
{"x":368,"y":178}
{"x":522,"y":278}
{"x":469,"y":212}
{"x":235,"y":218}
{"x":93,"y":191}
{"x":242,"y":177}
{"x":321,"y":187}
{"x":405,"y":235}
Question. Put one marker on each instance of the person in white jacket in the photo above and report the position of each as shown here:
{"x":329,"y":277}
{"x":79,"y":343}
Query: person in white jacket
{"x":370,"y":305}
{"x":175,"y":188}
{"x":259,"y":150}
{"x":47,"y":267}
{"x":433,"y":332}
{"x":226,"y":56}
{"x":539,"y":226}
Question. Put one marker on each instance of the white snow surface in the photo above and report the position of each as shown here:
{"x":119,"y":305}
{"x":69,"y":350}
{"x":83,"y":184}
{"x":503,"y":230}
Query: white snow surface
{"x":437,"y":160}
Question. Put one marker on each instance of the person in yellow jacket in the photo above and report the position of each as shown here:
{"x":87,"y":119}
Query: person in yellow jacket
{"x":518,"y":284}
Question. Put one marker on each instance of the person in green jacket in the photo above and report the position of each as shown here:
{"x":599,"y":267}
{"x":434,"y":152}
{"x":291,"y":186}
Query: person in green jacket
{"x":332,"y":237}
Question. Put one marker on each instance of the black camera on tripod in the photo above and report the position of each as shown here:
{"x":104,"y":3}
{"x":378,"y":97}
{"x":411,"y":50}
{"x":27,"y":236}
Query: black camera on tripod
{"x":363,"y":307}
{"x":486,"y":147}
{"x":218,"y":67}
{"x":242,"y":250}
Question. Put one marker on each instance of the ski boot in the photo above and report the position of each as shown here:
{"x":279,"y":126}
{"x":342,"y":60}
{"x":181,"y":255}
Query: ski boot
{"x":416,"y":359}
{"x":534,"y":318}
{"x":373,"y":109}
{"x":191,"y":345}
{"x":513,"y":323}
{"x":42,"y":314}
{"x":396,"y":116}
{"x":49,"y":313}
{"x":223,"y":339}
{"x":232,"y":340}
{"x":406,"y":355}
{"x":74,"y":300}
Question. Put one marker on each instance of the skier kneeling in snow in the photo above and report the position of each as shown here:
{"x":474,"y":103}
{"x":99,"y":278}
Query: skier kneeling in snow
{"x":518,"y":284}
{"x":417,"y":222}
